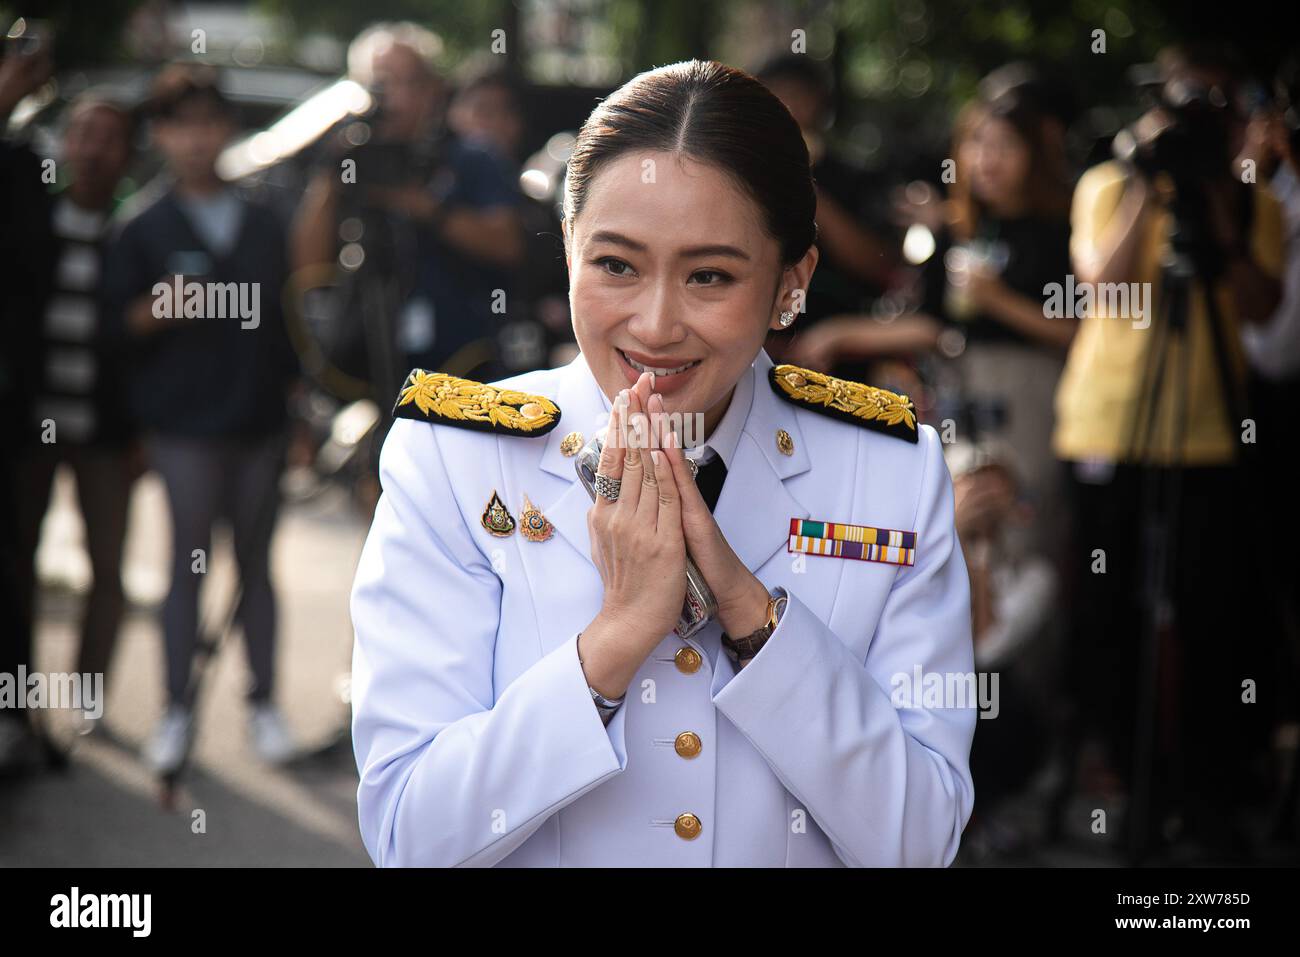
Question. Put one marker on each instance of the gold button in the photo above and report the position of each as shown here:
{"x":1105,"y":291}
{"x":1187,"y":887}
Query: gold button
{"x":688,"y":660}
{"x":530,"y":410}
{"x":784,"y":443}
{"x":687,"y":826}
{"x":688,"y":744}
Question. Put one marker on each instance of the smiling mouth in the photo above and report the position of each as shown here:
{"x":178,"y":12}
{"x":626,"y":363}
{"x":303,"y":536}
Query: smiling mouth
{"x":657,"y":370}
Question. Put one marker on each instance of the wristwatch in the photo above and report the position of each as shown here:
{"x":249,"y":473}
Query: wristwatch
{"x":740,"y":649}
{"x":604,"y":706}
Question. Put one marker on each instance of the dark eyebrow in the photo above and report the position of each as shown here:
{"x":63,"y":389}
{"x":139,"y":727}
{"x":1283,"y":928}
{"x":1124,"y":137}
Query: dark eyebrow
{"x":717,"y":249}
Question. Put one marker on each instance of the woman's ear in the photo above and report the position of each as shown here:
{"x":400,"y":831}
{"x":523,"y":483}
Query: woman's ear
{"x":794,"y":287}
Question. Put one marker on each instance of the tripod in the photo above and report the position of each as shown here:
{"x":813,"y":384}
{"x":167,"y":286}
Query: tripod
{"x":1191,"y":261}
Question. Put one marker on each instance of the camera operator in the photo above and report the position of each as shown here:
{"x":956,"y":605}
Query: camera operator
{"x":1273,"y":349}
{"x":1127,"y":432}
{"x":1273,"y":149}
{"x":426,"y":231}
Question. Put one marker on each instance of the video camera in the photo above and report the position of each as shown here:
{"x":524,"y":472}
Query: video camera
{"x":1195,"y":141}
{"x":387,"y":162}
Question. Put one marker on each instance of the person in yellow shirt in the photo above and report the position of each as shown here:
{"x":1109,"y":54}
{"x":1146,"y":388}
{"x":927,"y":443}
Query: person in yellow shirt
{"x":1120,"y":235}
{"x":1159,"y":461}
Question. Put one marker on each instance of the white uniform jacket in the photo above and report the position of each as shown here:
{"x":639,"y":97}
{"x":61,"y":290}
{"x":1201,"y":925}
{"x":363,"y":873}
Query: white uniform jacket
{"x":475,"y":734}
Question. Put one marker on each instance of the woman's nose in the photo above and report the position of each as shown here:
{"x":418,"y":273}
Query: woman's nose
{"x":658,"y":323}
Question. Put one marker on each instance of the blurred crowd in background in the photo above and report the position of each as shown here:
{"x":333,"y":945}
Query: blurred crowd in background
{"x":1124,"y":497}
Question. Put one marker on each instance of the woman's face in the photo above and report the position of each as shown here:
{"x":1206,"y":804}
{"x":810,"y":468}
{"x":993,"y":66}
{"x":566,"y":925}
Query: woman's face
{"x":670,"y":268}
{"x":998,"y":160}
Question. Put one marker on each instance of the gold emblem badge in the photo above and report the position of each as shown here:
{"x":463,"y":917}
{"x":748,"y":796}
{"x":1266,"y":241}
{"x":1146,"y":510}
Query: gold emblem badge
{"x":784,"y":443}
{"x":534,"y":525}
{"x":865,"y":405}
{"x":464,"y":403}
{"x":496,"y":519}
{"x":571,"y":444}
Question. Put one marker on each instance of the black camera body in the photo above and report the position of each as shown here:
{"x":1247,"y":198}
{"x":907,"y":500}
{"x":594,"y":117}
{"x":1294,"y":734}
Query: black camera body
{"x":1192,"y":146}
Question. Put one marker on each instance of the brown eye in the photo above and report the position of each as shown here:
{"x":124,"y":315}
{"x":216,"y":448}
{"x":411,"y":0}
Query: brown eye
{"x":719,"y":277}
{"x":606,"y":262}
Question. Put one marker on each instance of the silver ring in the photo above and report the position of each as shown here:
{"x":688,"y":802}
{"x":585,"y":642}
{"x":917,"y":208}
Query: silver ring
{"x":608,"y":488}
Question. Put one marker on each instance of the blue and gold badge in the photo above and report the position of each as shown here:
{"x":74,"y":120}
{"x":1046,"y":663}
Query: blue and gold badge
{"x":534,"y":526}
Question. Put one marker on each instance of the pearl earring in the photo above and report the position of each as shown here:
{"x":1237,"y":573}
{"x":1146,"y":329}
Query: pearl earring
{"x":787,"y":319}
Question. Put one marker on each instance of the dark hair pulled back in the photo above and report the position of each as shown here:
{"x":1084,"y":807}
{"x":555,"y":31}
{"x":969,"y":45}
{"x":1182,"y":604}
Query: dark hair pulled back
{"x":715,"y":114}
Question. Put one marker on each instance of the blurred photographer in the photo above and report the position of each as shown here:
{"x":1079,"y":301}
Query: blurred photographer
{"x":1181,"y":255}
{"x":1272,"y":150}
{"x":419,"y":228}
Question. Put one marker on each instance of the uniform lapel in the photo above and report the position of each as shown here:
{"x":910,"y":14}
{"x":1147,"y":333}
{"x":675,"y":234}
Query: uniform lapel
{"x":755,"y":507}
{"x":582,"y":409}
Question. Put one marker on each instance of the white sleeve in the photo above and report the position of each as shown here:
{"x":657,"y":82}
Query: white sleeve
{"x":450,"y":774}
{"x":1273,"y":346}
{"x":890,"y":786}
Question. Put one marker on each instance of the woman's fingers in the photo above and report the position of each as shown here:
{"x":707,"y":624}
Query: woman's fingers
{"x":633,"y":469}
{"x":648,"y":510}
{"x":690,"y":499}
{"x":644,"y":390}
{"x":674,"y":476}
{"x":611,"y":452}
{"x":669,"y":517}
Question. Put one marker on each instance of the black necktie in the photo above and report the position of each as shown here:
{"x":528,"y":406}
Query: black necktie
{"x":710,"y":478}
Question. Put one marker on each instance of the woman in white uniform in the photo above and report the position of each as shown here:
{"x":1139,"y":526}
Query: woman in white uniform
{"x":521,"y":694}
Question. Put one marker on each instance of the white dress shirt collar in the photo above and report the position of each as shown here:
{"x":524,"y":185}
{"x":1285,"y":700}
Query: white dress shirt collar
{"x":727,"y":432}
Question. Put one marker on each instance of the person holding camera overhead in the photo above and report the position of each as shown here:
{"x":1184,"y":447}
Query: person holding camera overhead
{"x":521,"y":693}
{"x":423,"y":224}
{"x":1150,"y":415}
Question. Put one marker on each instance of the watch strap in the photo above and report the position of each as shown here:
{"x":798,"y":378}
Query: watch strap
{"x":747,"y":646}
{"x":604,"y":706}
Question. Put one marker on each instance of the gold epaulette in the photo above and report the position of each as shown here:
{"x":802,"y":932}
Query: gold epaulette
{"x":466,"y":404}
{"x":865,"y":405}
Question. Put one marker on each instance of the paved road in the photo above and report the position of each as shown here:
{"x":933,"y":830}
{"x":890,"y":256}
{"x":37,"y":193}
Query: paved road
{"x":105,"y":808}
